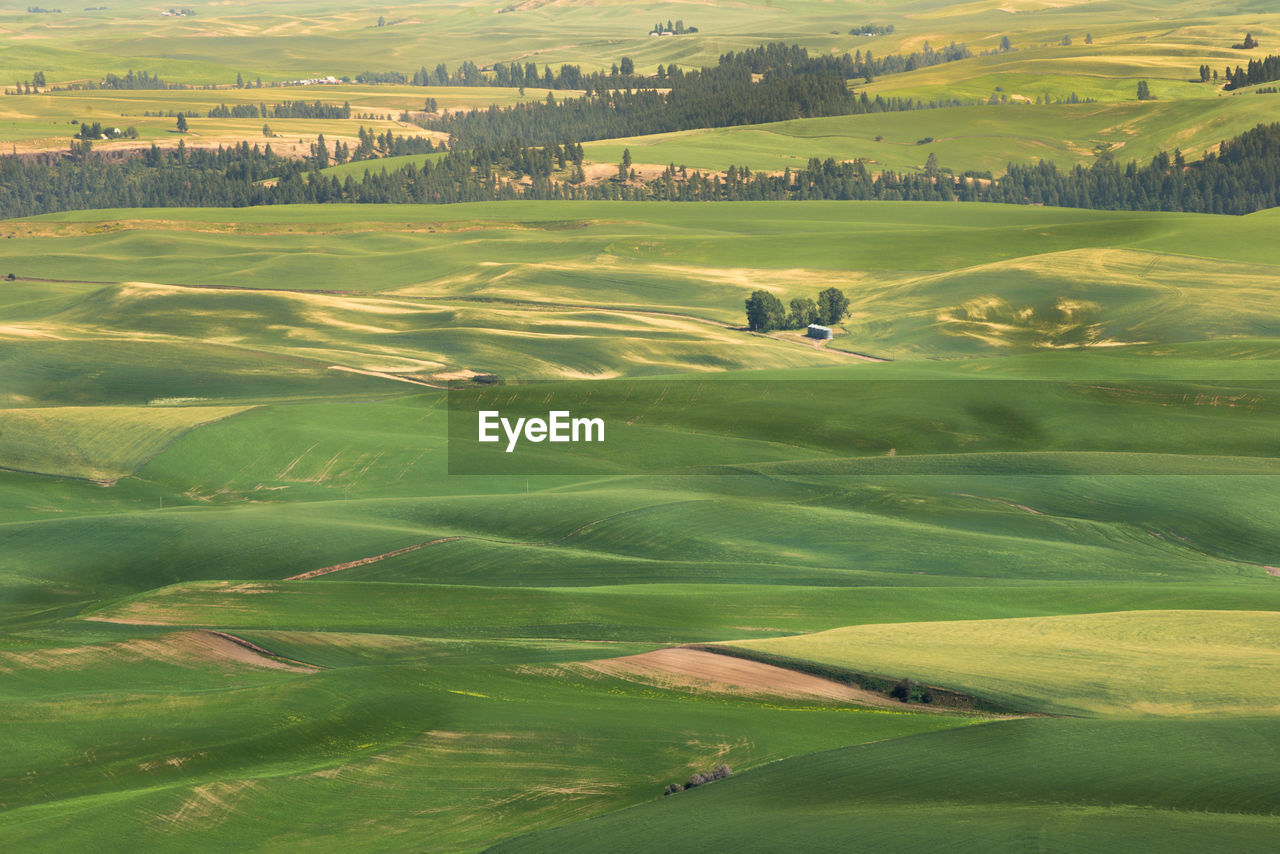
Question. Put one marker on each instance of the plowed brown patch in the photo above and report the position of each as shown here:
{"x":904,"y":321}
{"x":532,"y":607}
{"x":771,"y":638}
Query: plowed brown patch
{"x":188,"y":649}
{"x":694,"y":670}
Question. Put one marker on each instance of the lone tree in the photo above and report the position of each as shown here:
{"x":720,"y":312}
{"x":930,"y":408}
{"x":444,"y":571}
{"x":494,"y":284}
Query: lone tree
{"x":182,"y":123}
{"x":833,"y":306}
{"x":765,"y":312}
{"x":1144,"y":91}
{"x":1005,"y":44}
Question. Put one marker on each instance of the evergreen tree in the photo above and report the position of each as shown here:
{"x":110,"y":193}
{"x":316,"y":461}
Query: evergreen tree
{"x":182,"y":123}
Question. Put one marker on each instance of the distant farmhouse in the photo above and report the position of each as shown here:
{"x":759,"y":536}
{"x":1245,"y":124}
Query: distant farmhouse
{"x":822,"y":333}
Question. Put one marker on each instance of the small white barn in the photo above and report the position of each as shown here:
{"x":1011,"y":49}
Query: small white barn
{"x":822,"y":333}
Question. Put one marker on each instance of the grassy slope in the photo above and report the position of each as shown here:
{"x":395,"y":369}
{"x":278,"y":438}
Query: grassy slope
{"x":102,"y":443}
{"x":338,"y":466}
{"x":1052,"y":784}
{"x":1172,"y":663}
{"x":983,"y":138}
{"x":924,"y":280}
{"x":441,"y":721}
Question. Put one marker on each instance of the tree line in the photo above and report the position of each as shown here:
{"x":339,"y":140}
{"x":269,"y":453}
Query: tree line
{"x":517,"y":75}
{"x":1257,"y":71}
{"x":623,"y":73}
{"x":286,"y":110}
{"x":1242,"y":176}
{"x":792,"y":85}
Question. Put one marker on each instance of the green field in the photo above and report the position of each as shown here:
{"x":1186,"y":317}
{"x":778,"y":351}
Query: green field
{"x":419,"y":660}
{"x":256,"y":595}
{"x":981,"y":138}
{"x":1057,"y":784}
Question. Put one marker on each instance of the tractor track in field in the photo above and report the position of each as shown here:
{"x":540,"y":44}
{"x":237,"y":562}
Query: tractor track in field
{"x":291,"y":663}
{"x":365,"y":561}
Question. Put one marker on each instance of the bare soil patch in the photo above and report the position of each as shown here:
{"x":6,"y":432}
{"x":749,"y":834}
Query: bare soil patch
{"x":705,"y":672}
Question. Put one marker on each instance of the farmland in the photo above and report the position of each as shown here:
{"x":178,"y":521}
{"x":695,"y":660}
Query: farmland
{"x":462,"y":596}
{"x":255,"y":594}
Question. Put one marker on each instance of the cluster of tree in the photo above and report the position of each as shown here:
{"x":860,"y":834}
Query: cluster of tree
{"x":241,"y":84}
{"x":29,"y":87}
{"x":1073,"y":98}
{"x":1241,"y":177}
{"x":40,"y":10}
{"x":485,"y":173}
{"x":286,"y":110}
{"x":622,"y":75}
{"x":871,"y":67}
{"x":135,"y":80}
{"x":516,"y":75}
{"x":393,"y":77}
{"x":910,"y":691}
{"x":1206,"y":73}
{"x":792,"y":85}
{"x":676,"y":29}
{"x":1144,"y":91}
{"x":98,"y":131}
{"x":872,"y":30}
{"x":242,"y":175}
{"x":1257,"y":71}
{"x":765,"y":312}
{"x":1249,"y":43}
{"x":372,"y":144}
{"x":236,"y":111}
{"x":701,"y":778}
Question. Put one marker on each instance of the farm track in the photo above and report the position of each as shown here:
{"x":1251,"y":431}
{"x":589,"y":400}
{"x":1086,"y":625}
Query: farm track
{"x":292,"y":663}
{"x":365,"y":561}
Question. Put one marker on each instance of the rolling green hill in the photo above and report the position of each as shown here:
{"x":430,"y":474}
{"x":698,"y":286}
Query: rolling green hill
{"x":979,"y":138}
{"x":1058,"y":784}
{"x":251,"y":599}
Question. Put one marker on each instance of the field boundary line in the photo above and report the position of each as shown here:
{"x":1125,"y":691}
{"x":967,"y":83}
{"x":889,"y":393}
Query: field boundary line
{"x":365,"y":561}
